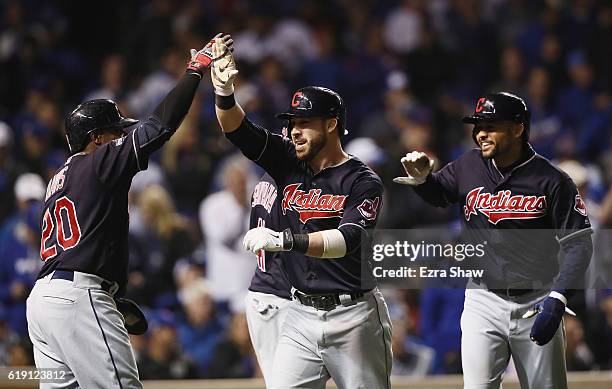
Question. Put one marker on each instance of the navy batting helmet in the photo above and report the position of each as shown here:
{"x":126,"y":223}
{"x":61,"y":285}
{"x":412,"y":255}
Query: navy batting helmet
{"x":500,"y":106}
{"x":90,"y":116}
{"x":316,"y":101}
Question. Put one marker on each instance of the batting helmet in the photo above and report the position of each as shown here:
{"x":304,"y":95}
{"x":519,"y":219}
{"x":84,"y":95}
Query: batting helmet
{"x":316,"y":101}
{"x":90,"y":116}
{"x":500,"y":106}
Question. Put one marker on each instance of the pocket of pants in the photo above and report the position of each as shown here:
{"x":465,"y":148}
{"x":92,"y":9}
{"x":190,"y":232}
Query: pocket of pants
{"x":58,"y":300}
{"x":265,"y":311}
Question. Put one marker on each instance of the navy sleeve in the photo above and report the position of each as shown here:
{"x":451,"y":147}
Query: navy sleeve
{"x":440,"y":188}
{"x":573,"y":229}
{"x":119,"y":160}
{"x":274,"y":153}
{"x":361,"y":211}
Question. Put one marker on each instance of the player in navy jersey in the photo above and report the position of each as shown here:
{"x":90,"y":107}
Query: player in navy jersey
{"x":517,"y":200}
{"x":337,"y":324}
{"x":76,"y":320}
{"x":270,"y":290}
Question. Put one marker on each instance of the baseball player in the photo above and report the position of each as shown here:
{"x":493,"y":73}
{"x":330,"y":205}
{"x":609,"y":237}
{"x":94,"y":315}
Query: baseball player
{"x":269,"y":293}
{"x":516,"y":308}
{"x":73,"y":312}
{"x":338,"y":324}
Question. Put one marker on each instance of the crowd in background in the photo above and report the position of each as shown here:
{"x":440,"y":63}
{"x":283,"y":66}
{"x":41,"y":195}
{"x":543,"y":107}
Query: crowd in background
{"x":408,"y":71}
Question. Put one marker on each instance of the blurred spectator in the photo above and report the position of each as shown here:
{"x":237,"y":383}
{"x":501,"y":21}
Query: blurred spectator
{"x":272,"y":88}
{"x":199,"y":330}
{"x":579,"y":356}
{"x":166,"y":239}
{"x":601,"y":45}
{"x":187,"y":155}
{"x":20,"y":248}
{"x":224,"y":218}
{"x":440,"y":327}
{"x":545,"y":125}
{"x":410,"y":358}
{"x":291,"y":41}
{"x":403,"y":26}
{"x":7,"y":336}
{"x":552,"y":59}
{"x":157,"y":84}
{"x":111,"y":80}
{"x":163,"y":358}
{"x":511,"y":72}
{"x":10,"y":168}
{"x":576,"y":100}
{"x":429,"y":66}
{"x":20,"y":353}
{"x":234,"y":355}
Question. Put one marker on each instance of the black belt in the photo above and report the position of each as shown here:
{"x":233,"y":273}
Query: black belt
{"x":68,"y":275}
{"x":509,"y":292}
{"x":328,"y":301}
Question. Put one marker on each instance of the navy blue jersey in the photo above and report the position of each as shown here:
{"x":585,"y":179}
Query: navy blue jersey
{"x":85,"y":219}
{"x":535,"y":204}
{"x":270,"y":276}
{"x":345,"y":197}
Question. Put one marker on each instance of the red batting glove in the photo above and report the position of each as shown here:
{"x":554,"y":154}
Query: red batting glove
{"x":201,"y":60}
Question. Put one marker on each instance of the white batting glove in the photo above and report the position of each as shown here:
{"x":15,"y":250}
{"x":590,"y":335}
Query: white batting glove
{"x":417,"y":166}
{"x":223,"y":70}
{"x":262,"y":238}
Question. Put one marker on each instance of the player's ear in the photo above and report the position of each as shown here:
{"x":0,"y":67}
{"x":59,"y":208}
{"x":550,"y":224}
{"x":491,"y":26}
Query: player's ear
{"x":96,"y":137}
{"x":518,"y":130}
{"x":332,"y":124}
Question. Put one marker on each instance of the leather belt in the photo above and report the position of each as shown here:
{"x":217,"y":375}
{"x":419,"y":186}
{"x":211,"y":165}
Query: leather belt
{"x":68,"y":275}
{"x":328,"y":301}
{"x":508,"y":292}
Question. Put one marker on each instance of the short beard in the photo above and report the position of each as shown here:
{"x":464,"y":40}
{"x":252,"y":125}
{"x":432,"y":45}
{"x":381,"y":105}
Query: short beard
{"x":316,"y":145}
{"x":491,"y":156}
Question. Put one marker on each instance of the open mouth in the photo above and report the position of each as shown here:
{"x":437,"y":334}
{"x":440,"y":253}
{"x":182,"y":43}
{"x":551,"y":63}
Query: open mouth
{"x":299,"y":144}
{"x":484,"y":146}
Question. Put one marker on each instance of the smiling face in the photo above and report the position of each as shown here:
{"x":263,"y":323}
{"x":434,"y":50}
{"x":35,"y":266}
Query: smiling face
{"x":498,"y":140}
{"x":310,"y":135}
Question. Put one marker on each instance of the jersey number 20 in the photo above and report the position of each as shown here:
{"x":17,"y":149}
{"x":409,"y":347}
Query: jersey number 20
{"x":64,"y":208}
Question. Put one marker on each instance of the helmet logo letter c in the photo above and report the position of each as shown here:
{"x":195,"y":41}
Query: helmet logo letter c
{"x":296,"y":99}
{"x":480,"y":105}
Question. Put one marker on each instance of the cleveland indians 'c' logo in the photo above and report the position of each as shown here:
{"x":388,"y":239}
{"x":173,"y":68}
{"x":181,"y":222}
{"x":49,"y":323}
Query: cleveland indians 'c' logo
{"x":299,"y":101}
{"x":369,"y":208}
{"x":485,"y":106}
{"x":312,"y":204}
{"x":503,"y":205}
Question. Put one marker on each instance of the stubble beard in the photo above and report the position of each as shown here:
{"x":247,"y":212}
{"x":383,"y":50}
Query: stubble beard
{"x":314,"y":146}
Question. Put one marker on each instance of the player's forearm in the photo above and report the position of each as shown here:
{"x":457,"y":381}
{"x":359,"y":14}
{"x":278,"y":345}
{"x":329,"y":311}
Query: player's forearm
{"x":172,"y":109}
{"x":577,"y":255}
{"x":229,"y":113}
{"x":327,"y":244}
{"x":433,"y":192}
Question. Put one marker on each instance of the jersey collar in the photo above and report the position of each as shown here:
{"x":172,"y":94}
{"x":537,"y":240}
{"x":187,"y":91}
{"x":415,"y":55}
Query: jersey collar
{"x":527,"y":156}
{"x":350,"y":157}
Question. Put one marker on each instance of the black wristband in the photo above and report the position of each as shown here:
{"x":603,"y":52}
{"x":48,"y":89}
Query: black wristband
{"x":300,"y":243}
{"x":295,"y":242}
{"x":225,"y":102}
